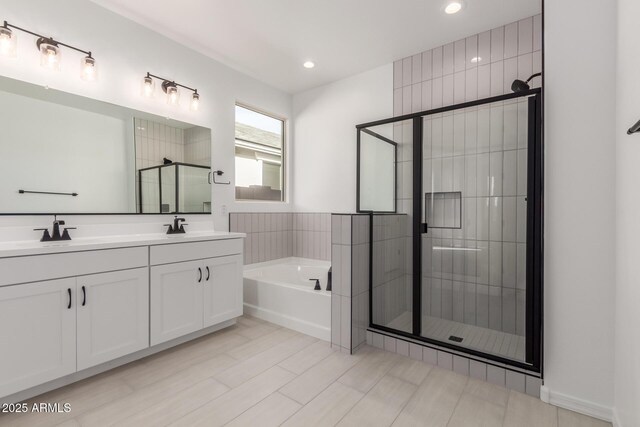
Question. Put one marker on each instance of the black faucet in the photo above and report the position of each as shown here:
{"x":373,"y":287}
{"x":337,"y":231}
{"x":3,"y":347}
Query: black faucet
{"x":317,"y":286}
{"x":328,"y":288}
{"x":55,"y":235}
{"x":176,"y":228}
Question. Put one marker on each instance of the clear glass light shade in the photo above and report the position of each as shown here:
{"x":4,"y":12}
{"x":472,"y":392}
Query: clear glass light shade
{"x":148,"y":87}
{"x":50,"y":56}
{"x":195,"y":102}
{"x":8,"y":42}
{"x":88,"y":69}
{"x":173,"y":95}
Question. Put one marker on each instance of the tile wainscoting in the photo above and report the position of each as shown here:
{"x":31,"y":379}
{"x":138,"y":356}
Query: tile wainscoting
{"x":283,"y":234}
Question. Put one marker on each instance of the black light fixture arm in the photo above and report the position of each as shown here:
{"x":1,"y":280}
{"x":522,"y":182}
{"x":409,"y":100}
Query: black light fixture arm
{"x":634,"y":129}
{"x":47,"y":39}
{"x":172,"y":82}
{"x":533,"y":76}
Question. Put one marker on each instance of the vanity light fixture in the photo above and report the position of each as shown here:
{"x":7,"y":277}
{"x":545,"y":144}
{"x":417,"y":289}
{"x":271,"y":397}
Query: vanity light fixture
{"x":171,"y":88}
{"x":195,"y":101}
{"x":7,"y":41}
{"x":476,"y":59}
{"x":148,"y":86}
{"x":50,"y":53}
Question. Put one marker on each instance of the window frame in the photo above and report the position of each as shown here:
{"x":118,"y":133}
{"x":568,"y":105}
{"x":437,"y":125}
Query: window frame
{"x":284,"y":149}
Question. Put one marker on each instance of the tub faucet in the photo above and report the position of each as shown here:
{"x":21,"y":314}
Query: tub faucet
{"x":329,"y":280}
{"x":317,"y":287}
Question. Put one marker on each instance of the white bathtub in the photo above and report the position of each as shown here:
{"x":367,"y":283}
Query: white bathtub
{"x":280,"y":292}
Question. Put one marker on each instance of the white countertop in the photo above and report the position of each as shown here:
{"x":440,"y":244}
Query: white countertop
{"x":28,"y":247}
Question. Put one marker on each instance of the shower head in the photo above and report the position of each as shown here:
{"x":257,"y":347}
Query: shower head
{"x":520,"y":86}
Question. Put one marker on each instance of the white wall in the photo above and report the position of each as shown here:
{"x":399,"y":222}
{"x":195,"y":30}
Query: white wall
{"x":580,"y":203}
{"x":324,"y":158}
{"x":627,"y":337}
{"x":125,"y":51}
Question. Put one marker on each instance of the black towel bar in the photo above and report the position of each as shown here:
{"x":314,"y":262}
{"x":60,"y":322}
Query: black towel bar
{"x":47,"y":192}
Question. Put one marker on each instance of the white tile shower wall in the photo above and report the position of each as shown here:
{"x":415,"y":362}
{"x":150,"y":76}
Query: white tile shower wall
{"x":350,"y":280}
{"x":482,"y":153}
{"x":197,"y":146}
{"x":501,"y":375}
{"x":341,"y":317}
{"x":280,"y":235}
{"x":360,"y":248}
{"x":391,"y":271}
{"x":153,"y":142}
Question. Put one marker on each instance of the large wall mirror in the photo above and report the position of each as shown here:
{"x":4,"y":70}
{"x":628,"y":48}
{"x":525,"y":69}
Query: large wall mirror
{"x":62,"y":153}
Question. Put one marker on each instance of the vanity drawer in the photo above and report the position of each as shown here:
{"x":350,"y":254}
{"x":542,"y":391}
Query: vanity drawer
{"x":46,"y":267}
{"x":178,"y":252}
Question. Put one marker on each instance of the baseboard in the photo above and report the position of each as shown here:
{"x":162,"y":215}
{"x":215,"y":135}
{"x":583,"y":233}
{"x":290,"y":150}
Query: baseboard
{"x":615,"y":420}
{"x":297,"y":325}
{"x":577,"y":405}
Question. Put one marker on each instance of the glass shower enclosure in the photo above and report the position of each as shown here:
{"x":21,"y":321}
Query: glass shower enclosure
{"x":175,"y":188}
{"x":455,"y":198}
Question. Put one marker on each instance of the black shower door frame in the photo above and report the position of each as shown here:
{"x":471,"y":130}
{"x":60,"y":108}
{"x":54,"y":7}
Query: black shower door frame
{"x":535,"y":223}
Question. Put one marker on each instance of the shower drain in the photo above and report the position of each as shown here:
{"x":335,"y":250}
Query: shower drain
{"x":455,"y":338}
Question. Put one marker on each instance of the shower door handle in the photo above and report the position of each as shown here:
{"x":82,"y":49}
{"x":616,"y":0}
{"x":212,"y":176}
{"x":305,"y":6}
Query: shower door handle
{"x":424,"y":228}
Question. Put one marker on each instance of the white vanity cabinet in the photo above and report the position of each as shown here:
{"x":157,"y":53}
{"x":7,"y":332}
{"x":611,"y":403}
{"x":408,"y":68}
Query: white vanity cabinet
{"x":37,"y":333}
{"x":70,"y":311}
{"x":113,"y":315}
{"x":222,"y":296}
{"x":176,"y":300}
{"x":187,"y":296}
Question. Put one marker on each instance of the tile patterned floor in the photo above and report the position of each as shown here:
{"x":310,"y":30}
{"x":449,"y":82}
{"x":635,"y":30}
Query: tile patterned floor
{"x":475,"y":337}
{"x":258,"y":374}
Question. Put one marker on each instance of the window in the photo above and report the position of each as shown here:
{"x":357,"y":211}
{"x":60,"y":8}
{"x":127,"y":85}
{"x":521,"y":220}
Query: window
{"x":259,"y":156}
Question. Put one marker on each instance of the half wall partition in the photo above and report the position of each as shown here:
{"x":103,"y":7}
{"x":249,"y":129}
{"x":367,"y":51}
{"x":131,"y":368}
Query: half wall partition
{"x":456,"y":253}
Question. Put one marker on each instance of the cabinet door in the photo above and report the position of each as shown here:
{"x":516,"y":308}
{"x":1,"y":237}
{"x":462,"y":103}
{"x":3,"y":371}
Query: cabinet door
{"x":37,"y":333}
{"x":113,"y":315}
{"x":222,"y":289}
{"x":176,"y":300}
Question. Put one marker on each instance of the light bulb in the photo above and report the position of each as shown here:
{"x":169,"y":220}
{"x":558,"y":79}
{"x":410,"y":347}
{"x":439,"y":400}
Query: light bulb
{"x":172,"y":94}
{"x":453,"y":7}
{"x":88,"y":68}
{"x":195,"y":101}
{"x":7,"y":42}
{"x":49,"y":54}
{"x":147,"y":87}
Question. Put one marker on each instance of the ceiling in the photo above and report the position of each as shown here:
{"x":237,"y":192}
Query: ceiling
{"x":270,"y":40}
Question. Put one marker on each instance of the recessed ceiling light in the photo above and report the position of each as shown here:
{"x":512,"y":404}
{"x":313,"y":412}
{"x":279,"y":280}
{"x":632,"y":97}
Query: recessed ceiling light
{"x":453,"y":7}
{"x":309,"y":64}
{"x":476,"y":59}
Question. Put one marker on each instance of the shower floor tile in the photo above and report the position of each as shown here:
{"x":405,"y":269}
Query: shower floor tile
{"x":502,"y":344}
